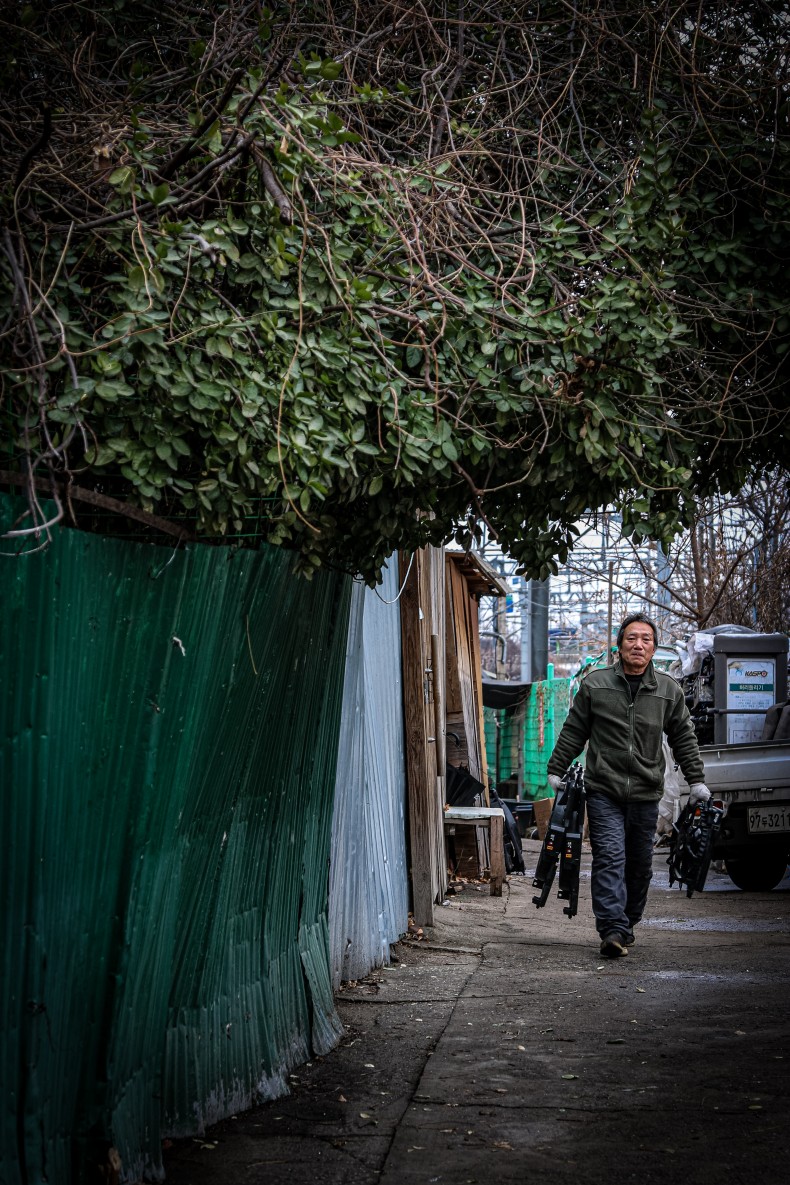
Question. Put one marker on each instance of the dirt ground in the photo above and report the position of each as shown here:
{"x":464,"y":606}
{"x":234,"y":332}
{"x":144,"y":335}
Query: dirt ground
{"x":504,"y":1048}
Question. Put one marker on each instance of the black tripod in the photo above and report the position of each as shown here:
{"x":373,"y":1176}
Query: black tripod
{"x":563,"y":843}
{"x":691,"y":845}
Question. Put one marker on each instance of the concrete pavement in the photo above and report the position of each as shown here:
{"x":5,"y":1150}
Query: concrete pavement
{"x":505,"y":1049}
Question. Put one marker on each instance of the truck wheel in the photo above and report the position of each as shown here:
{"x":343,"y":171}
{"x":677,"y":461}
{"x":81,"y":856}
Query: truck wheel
{"x":757,"y":871}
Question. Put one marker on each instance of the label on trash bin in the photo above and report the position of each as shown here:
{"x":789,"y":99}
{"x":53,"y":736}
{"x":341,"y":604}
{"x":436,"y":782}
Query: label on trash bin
{"x":751,"y":687}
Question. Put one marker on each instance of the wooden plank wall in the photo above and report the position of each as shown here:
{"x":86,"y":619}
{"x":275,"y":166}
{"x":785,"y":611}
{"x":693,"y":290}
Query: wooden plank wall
{"x":477,"y":685}
{"x":434,"y":636}
{"x":457,"y":752}
{"x":464,"y":677}
{"x":422,"y":605}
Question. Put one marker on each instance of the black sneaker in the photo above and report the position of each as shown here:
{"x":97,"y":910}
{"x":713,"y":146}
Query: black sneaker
{"x":613,"y":946}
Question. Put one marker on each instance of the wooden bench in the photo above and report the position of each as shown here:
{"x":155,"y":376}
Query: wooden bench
{"x":493,"y":820}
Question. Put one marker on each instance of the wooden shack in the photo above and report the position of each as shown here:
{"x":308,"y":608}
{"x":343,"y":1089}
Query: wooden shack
{"x":443,"y":699}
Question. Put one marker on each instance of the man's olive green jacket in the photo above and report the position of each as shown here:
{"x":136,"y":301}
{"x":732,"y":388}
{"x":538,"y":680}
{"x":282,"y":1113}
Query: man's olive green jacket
{"x":624,"y":756}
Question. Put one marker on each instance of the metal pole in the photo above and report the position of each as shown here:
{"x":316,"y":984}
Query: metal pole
{"x":609,"y":655}
{"x":540,"y":628}
{"x":501,"y":626}
{"x":663,"y":574}
{"x":525,"y":592}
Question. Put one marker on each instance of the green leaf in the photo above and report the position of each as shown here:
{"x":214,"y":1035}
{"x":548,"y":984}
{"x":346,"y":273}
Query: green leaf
{"x":330,"y":70}
{"x":103,"y":455}
{"x":149,"y":279}
{"x":122,"y":178}
{"x":159,"y":193}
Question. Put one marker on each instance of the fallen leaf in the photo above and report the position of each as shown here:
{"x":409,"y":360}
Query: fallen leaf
{"x":369,"y":1066}
{"x":569,"y":1076}
{"x":342,"y":1098}
{"x":523,"y":1048}
{"x":739,"y":1033}
{"x":364,"y":1115}
{"x":500,"y":1090}
{"x":642,"y":990}
{"x":504,"y":1145}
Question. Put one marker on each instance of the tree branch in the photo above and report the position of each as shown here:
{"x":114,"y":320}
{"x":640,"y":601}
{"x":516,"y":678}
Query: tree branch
{"x":93,"y":498}
{"x":273,"y":187}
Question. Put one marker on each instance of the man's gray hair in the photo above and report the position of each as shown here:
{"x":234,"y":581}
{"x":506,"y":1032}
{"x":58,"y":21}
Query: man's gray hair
{"x":642,"y":618}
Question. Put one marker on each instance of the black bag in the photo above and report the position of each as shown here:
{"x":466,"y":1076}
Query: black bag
{"x":514,"y":853}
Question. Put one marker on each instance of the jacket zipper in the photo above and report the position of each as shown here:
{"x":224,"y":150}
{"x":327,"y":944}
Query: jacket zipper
{"x":631,"y":717}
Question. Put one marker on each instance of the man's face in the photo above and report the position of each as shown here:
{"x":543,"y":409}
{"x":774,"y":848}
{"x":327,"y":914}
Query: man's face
{"x":637,"y":647}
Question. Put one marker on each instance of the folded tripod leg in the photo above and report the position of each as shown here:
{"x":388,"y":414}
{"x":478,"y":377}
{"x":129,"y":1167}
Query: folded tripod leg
{"x":563,"y":843}
{"x":550,"y":852}
{"x":570,"y":862}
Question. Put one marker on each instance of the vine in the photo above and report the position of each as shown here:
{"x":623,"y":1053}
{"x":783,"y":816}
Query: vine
{"x":363,"y":277}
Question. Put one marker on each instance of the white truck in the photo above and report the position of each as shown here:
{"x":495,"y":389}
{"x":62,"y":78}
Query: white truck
{"x":741,"y":675}
{"x":752,"y":780}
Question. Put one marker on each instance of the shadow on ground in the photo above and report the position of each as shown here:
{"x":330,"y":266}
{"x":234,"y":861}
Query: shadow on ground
{"x":505,"y":1049}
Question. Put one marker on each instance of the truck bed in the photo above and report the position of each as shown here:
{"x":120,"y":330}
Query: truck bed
{"x":750,"y":766}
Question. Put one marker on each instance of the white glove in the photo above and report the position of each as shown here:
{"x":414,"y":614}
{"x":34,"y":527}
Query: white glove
{"x":698,"y":792}
{"x":555,"y":782}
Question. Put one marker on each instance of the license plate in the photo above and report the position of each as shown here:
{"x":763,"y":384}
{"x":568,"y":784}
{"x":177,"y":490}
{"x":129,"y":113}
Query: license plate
{"x":765,"y":820}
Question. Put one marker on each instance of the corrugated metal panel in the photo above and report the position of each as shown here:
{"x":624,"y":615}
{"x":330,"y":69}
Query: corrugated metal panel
{"x":368,"y":896}
{"x":168,"y":748}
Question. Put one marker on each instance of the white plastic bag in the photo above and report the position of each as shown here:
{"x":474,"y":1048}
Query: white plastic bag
{"x":697,"y":647}
{"x":668,"y":807}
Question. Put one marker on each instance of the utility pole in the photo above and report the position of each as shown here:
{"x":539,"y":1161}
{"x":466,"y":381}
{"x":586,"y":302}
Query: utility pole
{"x":539,"y":632}
{"x":609,"y":609}
{"x":525,"y":598}
{"x":663,"y":574}
{"x":501,"y":638}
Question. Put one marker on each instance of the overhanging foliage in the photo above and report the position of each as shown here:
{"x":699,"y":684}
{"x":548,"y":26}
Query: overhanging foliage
{"x":357,"y":277}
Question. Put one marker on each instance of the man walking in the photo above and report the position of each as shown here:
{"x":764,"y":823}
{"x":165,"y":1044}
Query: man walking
{"x":622,"y":713}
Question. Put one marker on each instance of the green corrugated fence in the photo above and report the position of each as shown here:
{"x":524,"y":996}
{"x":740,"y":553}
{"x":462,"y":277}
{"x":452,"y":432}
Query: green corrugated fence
{"x":167,"y":759}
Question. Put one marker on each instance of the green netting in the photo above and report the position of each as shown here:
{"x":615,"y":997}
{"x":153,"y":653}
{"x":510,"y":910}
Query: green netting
{"x":168,"y":749}
{"x":491,"y":728}
{"x":536,"y":724}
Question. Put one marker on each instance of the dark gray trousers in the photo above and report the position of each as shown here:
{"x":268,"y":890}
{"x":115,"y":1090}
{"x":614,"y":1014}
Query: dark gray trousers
{"x":621,"y":837}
